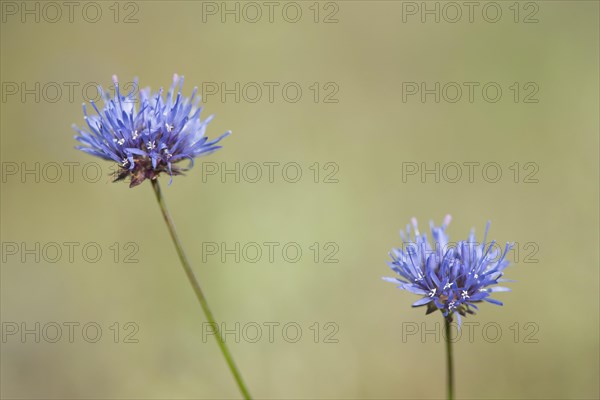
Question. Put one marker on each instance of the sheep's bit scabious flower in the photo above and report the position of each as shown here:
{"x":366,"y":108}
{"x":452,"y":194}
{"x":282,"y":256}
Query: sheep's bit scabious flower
{"x":450,"y":278}
{"x":152,"y":140}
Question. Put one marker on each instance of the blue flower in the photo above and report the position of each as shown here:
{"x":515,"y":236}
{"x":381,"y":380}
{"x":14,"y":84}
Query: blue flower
{"x":150,"y":140}
{"x":451,"y":278}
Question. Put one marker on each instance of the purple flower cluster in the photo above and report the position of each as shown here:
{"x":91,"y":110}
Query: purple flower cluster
{"x":450,"y":278}
{"x":150,"y":140}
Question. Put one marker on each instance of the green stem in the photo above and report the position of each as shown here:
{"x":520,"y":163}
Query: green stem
{"x":199,"y":294}
{"x":449,"y":364}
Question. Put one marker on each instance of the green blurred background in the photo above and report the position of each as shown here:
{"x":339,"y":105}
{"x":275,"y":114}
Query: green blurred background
{"x":368,"y":53}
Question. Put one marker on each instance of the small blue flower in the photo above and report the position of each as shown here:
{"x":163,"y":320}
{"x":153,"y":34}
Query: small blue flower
{"x":152,"y":140}
{"x":450,"y":278}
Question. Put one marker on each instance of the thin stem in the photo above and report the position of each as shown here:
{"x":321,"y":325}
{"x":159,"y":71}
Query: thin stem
{"x":199,"y":294}
{"x":449,"y":364}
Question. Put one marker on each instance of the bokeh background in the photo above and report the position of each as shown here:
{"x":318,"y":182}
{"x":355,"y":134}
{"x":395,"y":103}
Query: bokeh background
{"x":368,"y":134}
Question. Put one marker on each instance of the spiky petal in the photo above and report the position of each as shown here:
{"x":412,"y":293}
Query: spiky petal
{"x":147,"y":134}
{"x":449,"y":278}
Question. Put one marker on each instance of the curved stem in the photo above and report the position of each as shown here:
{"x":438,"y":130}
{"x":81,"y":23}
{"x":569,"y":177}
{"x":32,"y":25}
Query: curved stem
{"x":199,"y":294}
{"x":449,"y":364}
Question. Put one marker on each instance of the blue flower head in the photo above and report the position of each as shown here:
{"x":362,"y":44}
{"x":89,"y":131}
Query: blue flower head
{"x":451,"y":278}
{"x":149,"y":140}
